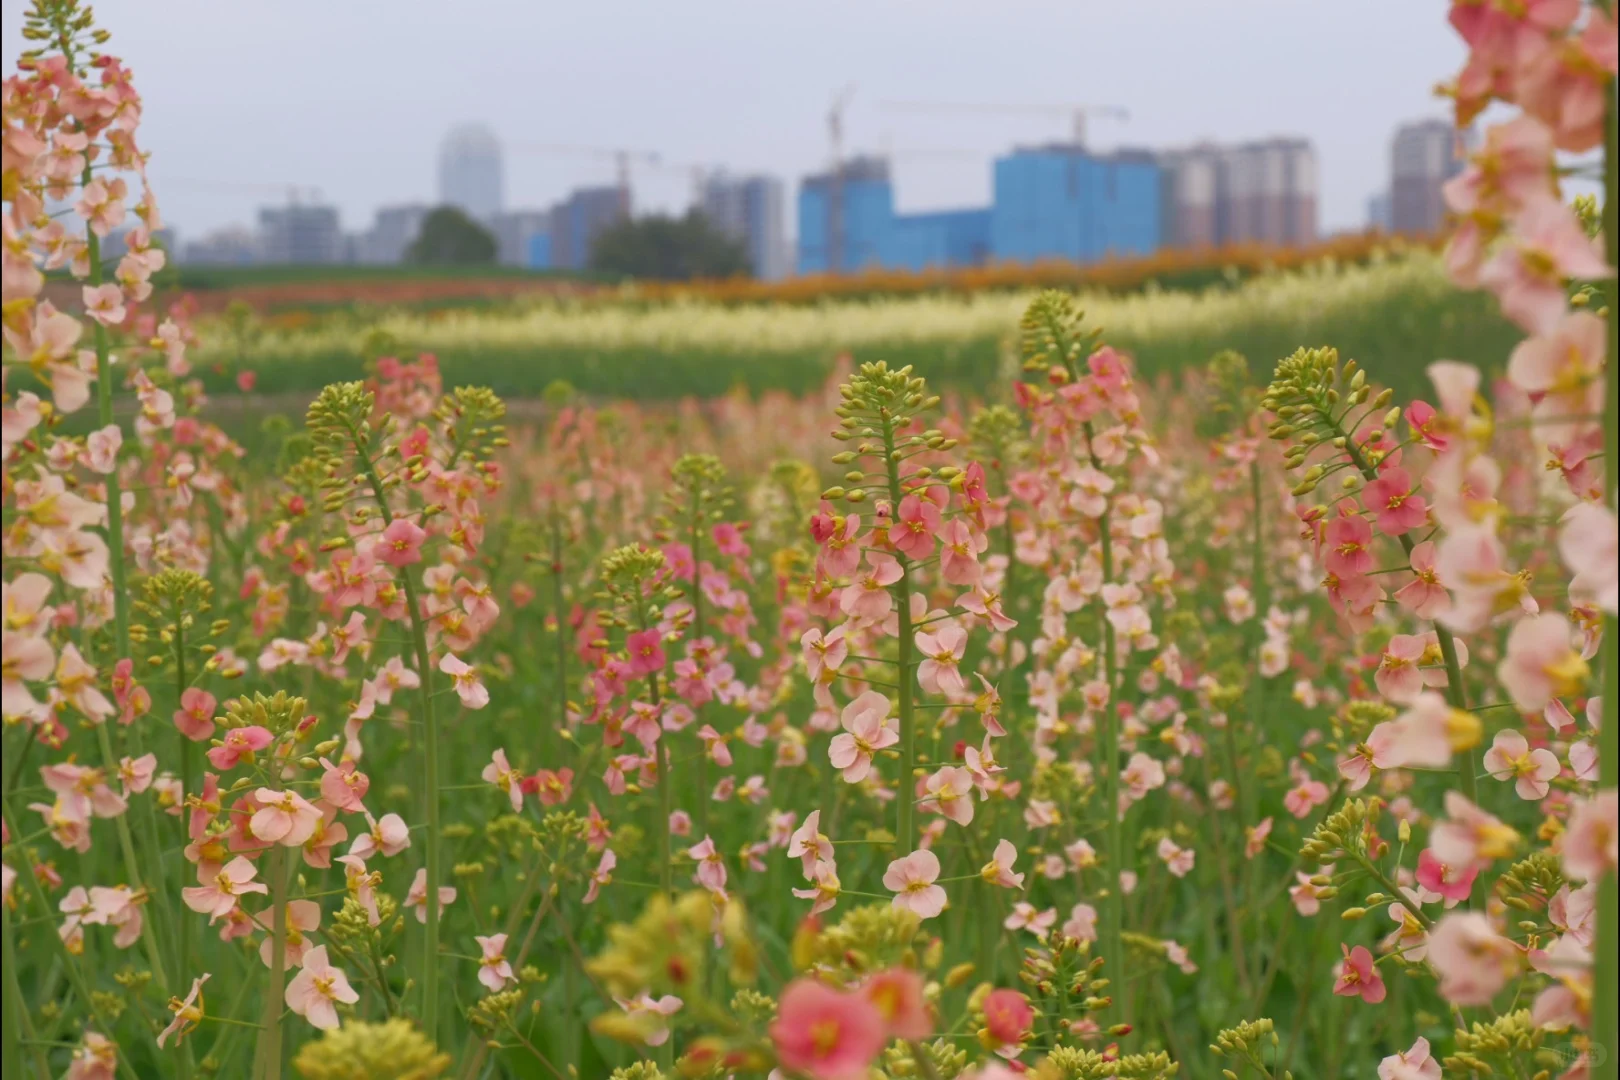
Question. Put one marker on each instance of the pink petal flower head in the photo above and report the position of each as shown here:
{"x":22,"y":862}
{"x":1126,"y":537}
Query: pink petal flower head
{"x":1546,"y":248}
{"x":317,"y":990}
{"x":464,"y":677}
{"x":401,"y":543}
{"x":284,"y":817}
{"x":188,"y":1013}
{"x":1392,"y":500}
{"x":195,"y":716}
{"x":1347,"y":551}
{"x":1541,"y":663}
{"x":1359,"y":976}
{"x":1510,"y":758}
{"x":646,"y":652}
{"x":239,"y":744}
{"x":911,"y":879}
{"x":1473,"y":961}
{"x":825,"y":1033}
{"x":1008,"y":1018}
{"x":1591,"y":846}
{"x":1452,"y":883}
{"x":897,"y":995}
{"x":866,"y":731}
{"x":494,"y":971}
{"x":999,"y":870}
{"x":1413,"y":1064}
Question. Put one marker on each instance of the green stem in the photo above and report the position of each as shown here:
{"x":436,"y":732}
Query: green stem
{"x":694,"y":536}
{"x":19,"y":1026}
{"x":269,"y":1054}
{"x":430,"y":756}
{"x":1113,"y":905}
{"x":905,"y":831}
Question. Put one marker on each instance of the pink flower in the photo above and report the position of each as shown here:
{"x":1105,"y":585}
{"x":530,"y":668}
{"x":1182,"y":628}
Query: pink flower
{"x":302,"y":917}
{"x":1413,"y":1064}
{"x":868,"y":596}
{"x":912,"y":534}
{"x":1546,"y":247}
{"x":1025,"y":916}
{"x":1470,"y":835}
{"x":1471,"y":958}
{"x":315,"y":991}
{"x":602,"y":875}
{"x":654,"y":1013}
{"x":1303,"y":796}
{"x":825,"y":887}
{"x":1510,"y":758}
{"x":344,"y":786}
{"x":195,"y":716}
{"x":284,"y":817}
{"x":239,"y":745}
{"x":897,"y":995}
{"x":417,"y":896}
{"x":942,"y":650}
{"x":1398,"y":677}
{"x":1566,"y":84}
{"x":401,"y":543}
{"x":1177,"y":859}
{"x":999,"y":870}
{"x":911,"y":879}
{"x":500,"y":773}
{"x":464,"y":676}
{"x":1589,"y":543}
{"x":711,"y":868}
{"x":390,"y":836}
{"x":823,"y":652}
{"x":493,"y":969}
{"x":1347,"y":552}
{"x":646,"y":652}
{"x":187,"y":1014}
{"x":1563,"y":372}
{"x":220,"y":887}
{"x":1082,"y":923}
{"x":826,"y":1034}
{"x":1390,"y":498}
{"x":104,"y":303}
{"x":959,"y":553}
{"x":1358,"y":976}
{"x":1423,"y":596}
{"x":866,"y":731}
{"x":809,"y":845}
{"x":1008,"y":1018}
{"x":1450,"y":882}
{"x":950,"y":794}
{"x":1256,"y":837}
{"x":1592,"y":840}
{"x":1540,"y":663}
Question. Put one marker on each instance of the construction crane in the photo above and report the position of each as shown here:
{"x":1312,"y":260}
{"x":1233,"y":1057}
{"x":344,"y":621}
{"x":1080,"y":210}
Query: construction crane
{"x":1077,"y":113}
{"x":620,"y":157}
{"x":835,"y":200}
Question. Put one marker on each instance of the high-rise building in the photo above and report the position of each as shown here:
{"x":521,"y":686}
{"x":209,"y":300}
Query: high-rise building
{"x":749,"y":209}
{"x":1378,"y":212}
{"x":300,"y":235}
{"x":1252,"y":193}
{"x":577,"y":221}
{"x":513,"y":230}
{"x":845,"y":217}
{"x":937,"y":240}
{"x":1423,"y":156}
{"x":234,"y":246}
{"x":471,"y":177}
{"x":391,"y":234}
{"x":1062,"y":201}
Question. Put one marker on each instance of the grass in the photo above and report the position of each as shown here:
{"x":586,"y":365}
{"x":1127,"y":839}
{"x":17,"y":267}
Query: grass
{"x":1395,"y":317}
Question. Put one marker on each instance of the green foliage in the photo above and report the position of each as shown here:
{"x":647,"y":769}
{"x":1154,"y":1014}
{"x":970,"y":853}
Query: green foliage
{"x":451,"y":238}
{"x":663,"y":248}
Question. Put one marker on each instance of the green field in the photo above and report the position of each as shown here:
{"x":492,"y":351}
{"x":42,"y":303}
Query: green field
{"x":1395,"y":316}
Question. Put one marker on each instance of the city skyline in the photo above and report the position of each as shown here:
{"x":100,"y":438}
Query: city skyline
{"x":755,"y":94}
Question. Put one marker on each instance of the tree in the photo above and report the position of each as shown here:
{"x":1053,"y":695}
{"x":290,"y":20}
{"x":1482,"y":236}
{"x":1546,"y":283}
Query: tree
{"x":664,"y":248}
{"x":451,"y":238}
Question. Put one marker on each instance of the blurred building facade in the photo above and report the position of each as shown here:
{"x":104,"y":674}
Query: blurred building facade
{"x":514,"y":230}
{"x":391,"y":234}
{"x":300,"y":235}
{"x":1252,"y":193}
{"x":1423,"y":156}
{"x":471,"y":174}
{"x":575,"y":223}
{"x":1062,"y":201}
{"x":750,"y":209}
{"x":234,"y":246}
{"x":1058,"y":201}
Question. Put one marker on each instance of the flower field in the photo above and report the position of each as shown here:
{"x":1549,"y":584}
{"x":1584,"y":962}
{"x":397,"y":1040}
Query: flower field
{"x":1086,"y":714}
{"x":669,"y":348}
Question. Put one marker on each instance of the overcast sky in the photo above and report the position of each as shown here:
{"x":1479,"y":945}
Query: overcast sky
{"x":353,"y":96}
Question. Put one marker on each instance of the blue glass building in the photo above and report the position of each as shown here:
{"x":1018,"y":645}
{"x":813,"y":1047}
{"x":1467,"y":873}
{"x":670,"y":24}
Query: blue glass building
{"x":1050,"y":202}
{"x":1062,"y":202}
